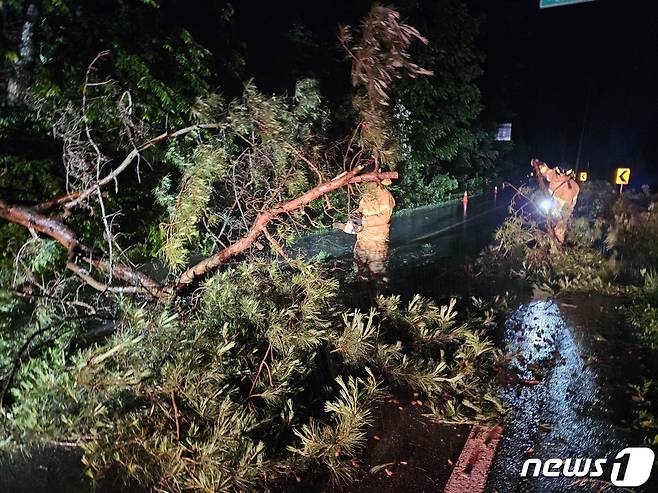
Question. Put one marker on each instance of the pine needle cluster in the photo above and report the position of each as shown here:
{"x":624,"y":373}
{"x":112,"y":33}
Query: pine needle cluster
{"x":263,"y":374}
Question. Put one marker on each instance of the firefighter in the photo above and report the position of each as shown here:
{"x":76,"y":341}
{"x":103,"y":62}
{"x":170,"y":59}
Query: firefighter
{"x":564,"y":191}
{"x":371,"y":225}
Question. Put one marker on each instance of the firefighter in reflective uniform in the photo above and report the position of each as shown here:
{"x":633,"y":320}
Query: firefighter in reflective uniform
{"x":371,"y":225}
{"x":564,"y":190}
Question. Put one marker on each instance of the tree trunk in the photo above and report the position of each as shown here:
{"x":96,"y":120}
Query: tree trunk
{"x":20,"y":80}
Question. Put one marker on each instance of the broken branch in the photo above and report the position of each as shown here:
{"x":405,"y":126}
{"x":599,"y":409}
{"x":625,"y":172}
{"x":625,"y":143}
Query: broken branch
{"x":263,"y":219}
{"x":65,"y":236}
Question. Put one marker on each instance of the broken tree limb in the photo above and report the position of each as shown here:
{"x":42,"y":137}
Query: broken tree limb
{"x":72,"y":199}
{"x":383,"y":175}
{"x":141,"y":283}
{"x":99,"y":286}
{"x":65,"y":236}
{"x":104,"y":181}
{"x":279,"y":249}
{"x":263,"y":219}
{"x":57,"y":201}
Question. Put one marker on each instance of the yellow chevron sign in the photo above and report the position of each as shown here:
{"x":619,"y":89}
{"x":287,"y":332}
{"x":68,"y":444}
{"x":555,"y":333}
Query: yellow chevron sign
{"x":582,"y":176}
{"x":622,"y":176}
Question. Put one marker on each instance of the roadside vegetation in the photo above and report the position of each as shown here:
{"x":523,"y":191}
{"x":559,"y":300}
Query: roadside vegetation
{"x":611,"y":248}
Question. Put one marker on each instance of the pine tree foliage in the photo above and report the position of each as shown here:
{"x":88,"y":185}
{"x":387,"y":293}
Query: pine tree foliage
{"x":588,"y":263}
{"x":610,"y":238}
{"x":351,"y":413}
{"x":253,"y":162}
{"x":223,"y":392}
{"x":378,"y":58}
{"x":358,"y":340}
{"x":191,"y":206}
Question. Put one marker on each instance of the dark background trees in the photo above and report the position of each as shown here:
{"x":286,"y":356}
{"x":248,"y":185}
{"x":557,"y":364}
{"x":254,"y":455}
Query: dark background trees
{"x":169,"y":53}
{"x":585,"y":69}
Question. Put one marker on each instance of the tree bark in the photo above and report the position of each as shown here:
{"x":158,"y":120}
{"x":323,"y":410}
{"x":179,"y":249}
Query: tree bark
{"x":266,"y":217}
{"x":65,"y":236}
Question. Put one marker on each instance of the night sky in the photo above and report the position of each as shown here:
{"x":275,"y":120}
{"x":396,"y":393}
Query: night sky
{"x":590,"y":68}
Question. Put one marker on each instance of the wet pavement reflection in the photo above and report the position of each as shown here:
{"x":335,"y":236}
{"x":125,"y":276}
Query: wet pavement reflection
{"x":561,"y":404}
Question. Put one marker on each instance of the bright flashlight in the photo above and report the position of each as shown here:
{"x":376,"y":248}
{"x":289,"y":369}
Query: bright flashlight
{"x":545,"y":204}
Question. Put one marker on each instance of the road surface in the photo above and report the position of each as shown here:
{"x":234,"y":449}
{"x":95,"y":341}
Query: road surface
{"x":576,"y":360}
{"x":426,"y":244}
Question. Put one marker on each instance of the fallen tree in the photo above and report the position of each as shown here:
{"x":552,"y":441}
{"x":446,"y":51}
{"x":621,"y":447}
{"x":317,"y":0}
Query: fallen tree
{"x":136,"y":281}
{"x":263,"y":219}
{"x":248,"y":166}
{"x":260,"y":373}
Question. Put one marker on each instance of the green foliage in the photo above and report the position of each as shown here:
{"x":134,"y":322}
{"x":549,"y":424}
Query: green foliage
{"x":633,"y":231}
{"x":157,"y":62}
{"x":229,"y":395}
{"x":415,"y":190}
{"x":351,"y":413}
{"x":643,"y":313}
{"x":210,"y":165}
{"x":444,"y":106}
{"x":151,"y":73}
{"x":251,"y":161}
{"x":645,"y":317}
{"x":645,"y":395}
{"x":443,"y":148}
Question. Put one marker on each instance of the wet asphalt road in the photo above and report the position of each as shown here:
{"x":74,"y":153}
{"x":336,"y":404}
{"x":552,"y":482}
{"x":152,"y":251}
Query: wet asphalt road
{"x":572,"y":358}
{"x":442,"y":230}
